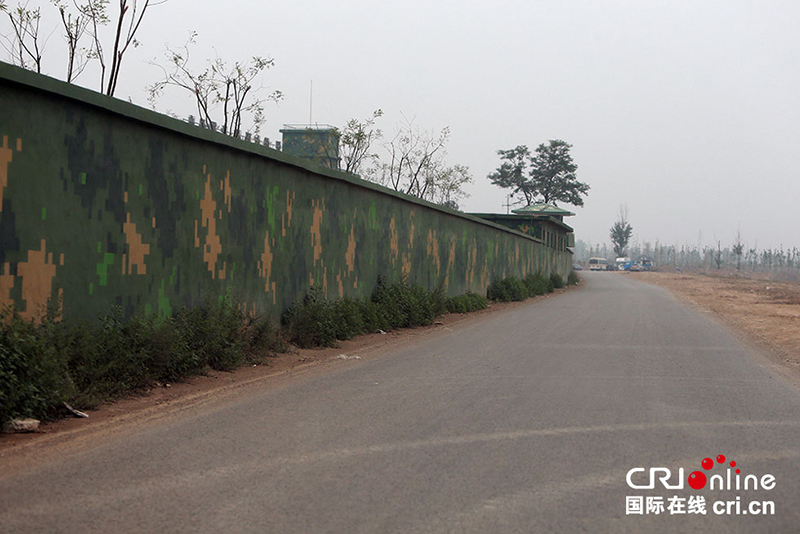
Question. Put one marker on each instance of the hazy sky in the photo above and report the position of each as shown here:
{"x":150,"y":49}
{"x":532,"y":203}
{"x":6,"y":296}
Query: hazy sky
{"x":688,"y":112}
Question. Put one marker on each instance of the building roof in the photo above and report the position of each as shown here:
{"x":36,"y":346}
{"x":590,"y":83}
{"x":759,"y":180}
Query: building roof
{"x":306,"y":127}
{"x":542,"y":209}
{"x":505,"y":219}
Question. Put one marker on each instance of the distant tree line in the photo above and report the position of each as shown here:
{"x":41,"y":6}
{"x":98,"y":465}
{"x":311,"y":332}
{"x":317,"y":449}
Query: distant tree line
{"x":734,"y":256}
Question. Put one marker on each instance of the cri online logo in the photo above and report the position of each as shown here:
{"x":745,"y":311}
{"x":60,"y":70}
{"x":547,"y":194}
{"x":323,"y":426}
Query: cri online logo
{"x":697,"y":480}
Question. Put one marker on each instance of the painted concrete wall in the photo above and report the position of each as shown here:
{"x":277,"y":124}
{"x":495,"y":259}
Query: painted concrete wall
{"x":104,"y":203}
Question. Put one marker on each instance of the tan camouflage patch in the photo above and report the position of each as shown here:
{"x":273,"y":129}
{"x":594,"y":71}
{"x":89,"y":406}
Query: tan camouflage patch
{"x":433,"y":250}
{"x":213,"y":244}
{"x":286,"y":218}
{"x":227,"y":191}
{"x":451,"y":261}
{"x":316,"y":228}
{"x":37,"y":282}
{"x":393,"y":240}
{"x":406,"y":269}
{"x":411,"y":233}
{"x":6,"y":284}
{"x":265,"y":264}
{"x":137,"y":249}
{"x":350,"y":255}
{"x":5,"y":158}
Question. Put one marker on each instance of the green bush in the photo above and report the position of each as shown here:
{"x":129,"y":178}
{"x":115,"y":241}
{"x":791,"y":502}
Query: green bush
{"x":466,"y":303}
{"x":312,"y":321}
{"x":348,"y":317}
{"x":573,"y":279}
{"x":557,"y":280}
{"x":33,"y":374}
{"x":42,"y":366}
{"x":439,"y":301}
{"x":216,"y":331}
{"x":507,"y":290}
{"x":375,"y":317}
{"x":537,"y":284}
{"x":404,"y":304}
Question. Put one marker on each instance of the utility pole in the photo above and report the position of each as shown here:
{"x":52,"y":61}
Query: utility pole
{"x":508,"y":204}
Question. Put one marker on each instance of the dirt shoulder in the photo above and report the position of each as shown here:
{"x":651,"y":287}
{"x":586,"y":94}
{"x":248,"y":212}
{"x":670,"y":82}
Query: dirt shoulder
{"x":765,"y":312}
{"x":164,"y":402}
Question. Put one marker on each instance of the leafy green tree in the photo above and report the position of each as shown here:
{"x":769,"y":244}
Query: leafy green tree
{"x":549,"y":175}
{"x":513,"y":173}
{"x":621,"y":232}
{"x":553,"y":174}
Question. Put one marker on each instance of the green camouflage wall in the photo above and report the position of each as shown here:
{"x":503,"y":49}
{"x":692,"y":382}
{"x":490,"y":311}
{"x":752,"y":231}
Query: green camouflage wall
{"x":104,"y":203}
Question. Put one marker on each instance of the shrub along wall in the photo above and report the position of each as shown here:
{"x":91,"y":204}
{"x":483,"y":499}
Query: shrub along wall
{"x":103,"y":203}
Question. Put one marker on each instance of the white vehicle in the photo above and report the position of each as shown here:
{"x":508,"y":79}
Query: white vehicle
{"x":598,"y":264}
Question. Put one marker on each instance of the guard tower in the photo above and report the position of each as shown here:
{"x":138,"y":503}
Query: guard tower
{"x":315,"y":142}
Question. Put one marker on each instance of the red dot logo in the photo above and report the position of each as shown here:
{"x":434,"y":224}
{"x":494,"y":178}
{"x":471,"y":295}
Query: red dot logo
{"x":697,"y":479}
{"x":721,"y":459}
{"x":707,"y":464}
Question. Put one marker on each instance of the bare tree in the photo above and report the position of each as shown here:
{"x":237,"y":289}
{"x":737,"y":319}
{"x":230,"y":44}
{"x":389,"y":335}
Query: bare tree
{"x":96,"y":12}
{"x":125,"y":37}
{"x":231,"y":87}
{"x":449,"y":185}
{"x":235,"y":86}
{"x":412,"y":158}
{"x":356,"y":140}
{"x":75,"y":26}
{"x":25,"y":45}
{"x":738,"y":250}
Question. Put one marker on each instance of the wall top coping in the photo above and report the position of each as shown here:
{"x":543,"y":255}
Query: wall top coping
{"x":46,"y":84}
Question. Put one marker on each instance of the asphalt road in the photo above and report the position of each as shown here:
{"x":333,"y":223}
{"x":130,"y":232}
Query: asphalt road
{"x":527,"y":420}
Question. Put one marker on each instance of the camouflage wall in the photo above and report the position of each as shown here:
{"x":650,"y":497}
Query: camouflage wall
{"x":105,"y":203}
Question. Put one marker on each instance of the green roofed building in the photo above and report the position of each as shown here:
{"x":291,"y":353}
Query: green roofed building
{"x":315,"y":142}
{"x":542,"y":221}
{"x":544,"y":209}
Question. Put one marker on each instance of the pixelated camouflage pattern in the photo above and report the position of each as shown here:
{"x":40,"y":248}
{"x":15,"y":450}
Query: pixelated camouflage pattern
{"x":104,"y":203}
{"x":320,"y":146}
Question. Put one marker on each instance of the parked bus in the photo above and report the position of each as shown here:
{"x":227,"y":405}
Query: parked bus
{"x":598,"y":264}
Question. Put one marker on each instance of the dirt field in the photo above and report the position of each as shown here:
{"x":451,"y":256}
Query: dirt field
{"x":766,"y":312}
